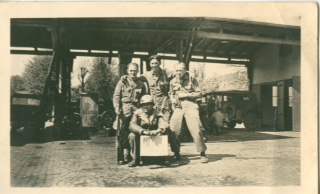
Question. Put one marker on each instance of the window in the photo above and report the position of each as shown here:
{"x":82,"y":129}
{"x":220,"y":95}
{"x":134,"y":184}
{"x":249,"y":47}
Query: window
{"x":290,"y":97}
{"x":274,"y":96}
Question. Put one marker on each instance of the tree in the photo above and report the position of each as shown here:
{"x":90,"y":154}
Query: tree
{"x":103,"y":78}
{"x":17,"y":83}
{"x":82,"y":74}
{"x":35,"y":73}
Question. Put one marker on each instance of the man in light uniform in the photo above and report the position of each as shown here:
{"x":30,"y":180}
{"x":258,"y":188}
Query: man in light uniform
{"x":125,"y":101}
{"x":184,"y":90}
{"x":157,"y":81}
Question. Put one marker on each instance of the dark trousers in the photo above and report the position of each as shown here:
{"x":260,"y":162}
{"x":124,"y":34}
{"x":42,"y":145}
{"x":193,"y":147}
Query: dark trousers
{"x":123,"y":137}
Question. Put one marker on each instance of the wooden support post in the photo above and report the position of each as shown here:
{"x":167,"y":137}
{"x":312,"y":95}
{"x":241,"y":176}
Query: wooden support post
{"x":125,"y":58}
{"x":179,"y":49}
{"x":110,"y":57}
{"x":69,"y":70}
{"x":141,"y":66}
{"x":191,"y":39}
{"x":249,"y":67}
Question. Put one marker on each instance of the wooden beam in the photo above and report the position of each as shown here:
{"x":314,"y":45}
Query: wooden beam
{"x":30,"y":52}
{"x":141,"y":40}
{"x":236,"y":47}
{"x":240,"y":27}
{"x":243,"y":38}
{"x":199,"y":43}
{"x":163,"y":45}
{"x":179,"y":49}
{"x":202,"y":34}
{"x":193,"y":34}
{"x":156,"y":41}
{"x":213,"y":43}
{"x":248,"y":48}
{"x":53,"y":62}
{"x":145,"y":56}
{"x":222,"y":47}
{"x":127,"y":38}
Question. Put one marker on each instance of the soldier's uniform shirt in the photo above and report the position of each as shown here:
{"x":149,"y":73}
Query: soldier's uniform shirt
{"x":126,"y":99}
{"x":127,"y":95}
{"x":188,"y":108}
{"x":158,"y":83}
{"x":141,"y":121}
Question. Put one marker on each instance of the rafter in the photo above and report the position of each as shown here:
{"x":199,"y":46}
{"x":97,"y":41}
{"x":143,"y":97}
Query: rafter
{"x":163,"y":45}
{"x":193,"y":34}
{"x":195,"y":46}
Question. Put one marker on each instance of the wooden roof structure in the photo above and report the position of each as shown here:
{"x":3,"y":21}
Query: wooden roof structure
{"x":185,"y":39}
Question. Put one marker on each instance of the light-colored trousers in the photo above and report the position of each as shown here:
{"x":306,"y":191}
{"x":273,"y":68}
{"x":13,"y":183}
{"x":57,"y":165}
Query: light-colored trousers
{"x":190,"y":111}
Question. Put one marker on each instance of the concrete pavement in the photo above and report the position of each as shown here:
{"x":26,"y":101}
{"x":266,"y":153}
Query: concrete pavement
{"x":237,"y":158}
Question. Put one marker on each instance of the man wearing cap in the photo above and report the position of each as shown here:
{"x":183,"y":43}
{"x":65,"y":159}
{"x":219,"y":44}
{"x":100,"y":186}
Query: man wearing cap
{"x":148,"y":121}
{"x":158,"y":85}
{"x":184,"y":91}
{"x":125,"y":101}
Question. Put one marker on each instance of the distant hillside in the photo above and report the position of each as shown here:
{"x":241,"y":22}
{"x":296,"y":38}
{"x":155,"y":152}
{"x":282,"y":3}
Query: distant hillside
{"x":230,"y":81}
{"x":234,"y":81}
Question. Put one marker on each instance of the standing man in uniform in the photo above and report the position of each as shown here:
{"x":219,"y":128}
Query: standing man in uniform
{"x":184,"y":91}
{"x":157,"y":81}
{"x":126,"y":99}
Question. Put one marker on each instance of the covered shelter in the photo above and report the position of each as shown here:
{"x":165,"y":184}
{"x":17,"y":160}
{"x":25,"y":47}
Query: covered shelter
{"x":271,"y":52}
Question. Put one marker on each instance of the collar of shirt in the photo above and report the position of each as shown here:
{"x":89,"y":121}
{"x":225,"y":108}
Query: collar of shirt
{"x":149,"y":118}
{"x":157,"y":73}
{"x":185,"y":77}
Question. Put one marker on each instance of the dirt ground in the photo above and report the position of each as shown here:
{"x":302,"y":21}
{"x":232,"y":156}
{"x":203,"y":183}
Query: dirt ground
{"x":236,"y":158}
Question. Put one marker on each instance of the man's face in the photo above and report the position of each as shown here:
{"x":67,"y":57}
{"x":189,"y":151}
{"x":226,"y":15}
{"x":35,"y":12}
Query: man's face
{"x":132,"y":71}
{"x":147,"y":108}
{"x":180,"y":71}
{"x":154,"y":64}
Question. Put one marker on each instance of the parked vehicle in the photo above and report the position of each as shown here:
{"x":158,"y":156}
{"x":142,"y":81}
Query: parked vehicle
{"x":106,"y":120}
{"x":71,"y":127}
{"x":26,"y":118}
{"x":239,"y":106}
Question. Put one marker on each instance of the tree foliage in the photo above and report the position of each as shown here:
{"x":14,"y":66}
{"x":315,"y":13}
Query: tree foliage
{"x":17,"y":83}
{"x":103,"y":78}
{"x":35,"y":73}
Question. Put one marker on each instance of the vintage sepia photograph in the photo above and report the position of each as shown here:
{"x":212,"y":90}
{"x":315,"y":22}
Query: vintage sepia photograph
{"x":202,"y":98}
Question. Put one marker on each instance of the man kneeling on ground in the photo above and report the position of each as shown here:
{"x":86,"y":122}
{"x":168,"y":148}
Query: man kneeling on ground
{"x":148,"y":121}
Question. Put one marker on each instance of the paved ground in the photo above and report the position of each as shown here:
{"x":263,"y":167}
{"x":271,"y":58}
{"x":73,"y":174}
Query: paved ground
{"x":238,"y":158}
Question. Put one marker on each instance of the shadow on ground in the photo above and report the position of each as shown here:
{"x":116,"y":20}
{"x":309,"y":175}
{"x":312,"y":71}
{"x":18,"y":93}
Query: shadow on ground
{"x":234,"y":135}
{"x":211,"y":157}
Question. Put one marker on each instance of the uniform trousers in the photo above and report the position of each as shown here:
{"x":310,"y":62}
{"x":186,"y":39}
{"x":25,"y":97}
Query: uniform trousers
{"x":189,"y":111}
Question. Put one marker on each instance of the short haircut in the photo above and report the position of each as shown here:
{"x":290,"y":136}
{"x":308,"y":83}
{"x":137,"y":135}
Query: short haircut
{"x":156,"y":57}
{"x":133,"y":64}
{"x":180,"y":64}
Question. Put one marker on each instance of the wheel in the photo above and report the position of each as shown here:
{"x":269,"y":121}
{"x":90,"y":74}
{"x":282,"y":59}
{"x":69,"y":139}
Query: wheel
{"x":229,"y":109}
{"x":251,"y":121}
{"x":232,"y":124}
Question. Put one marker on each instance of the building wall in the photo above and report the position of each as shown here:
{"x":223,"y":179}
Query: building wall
{"x":268,"y":66}
{"x":267,"y":109}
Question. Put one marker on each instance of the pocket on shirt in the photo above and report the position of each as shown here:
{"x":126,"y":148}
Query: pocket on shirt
{"x":126,"y":92}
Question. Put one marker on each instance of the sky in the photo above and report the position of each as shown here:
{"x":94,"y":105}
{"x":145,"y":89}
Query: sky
{"x":18,"y":63}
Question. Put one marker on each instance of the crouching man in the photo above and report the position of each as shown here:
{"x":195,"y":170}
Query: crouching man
{"x":148,"y":121}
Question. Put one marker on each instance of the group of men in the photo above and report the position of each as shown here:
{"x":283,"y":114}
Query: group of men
{"x":157,"y":103}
